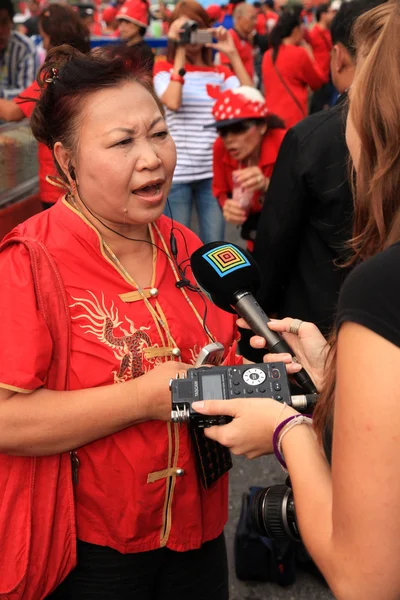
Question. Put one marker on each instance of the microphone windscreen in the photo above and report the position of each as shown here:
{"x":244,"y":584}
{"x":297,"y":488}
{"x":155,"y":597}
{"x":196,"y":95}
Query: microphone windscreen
{"x":222,"y":269}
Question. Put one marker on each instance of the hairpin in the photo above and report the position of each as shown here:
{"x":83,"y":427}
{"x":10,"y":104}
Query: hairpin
{"x":54,"y":76}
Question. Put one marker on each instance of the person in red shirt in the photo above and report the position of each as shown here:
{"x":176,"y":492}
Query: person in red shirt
{"x":320,"y":38}
{"x":108,"y":17}
{"x":244,"y":155}
{"x":133,"y":19}
{"x":289,"y":70}
{"x":214,"y":14}
{"x":271,"y":16}
{"x":145,"y":525}
{"x":321,"y":43}
{"x":58,"y":24}
{"x":244,"y":18}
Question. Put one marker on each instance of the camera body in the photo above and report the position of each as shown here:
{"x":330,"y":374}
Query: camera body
{"x":190,"y":34}
{"x":223,"y":383}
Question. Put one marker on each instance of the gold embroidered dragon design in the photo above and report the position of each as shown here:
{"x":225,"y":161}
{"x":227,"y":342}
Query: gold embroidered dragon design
{"x":128,"y":349}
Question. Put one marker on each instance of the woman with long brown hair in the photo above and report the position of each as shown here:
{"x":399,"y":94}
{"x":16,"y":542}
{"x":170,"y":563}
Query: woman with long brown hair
{"x":347,"y":502}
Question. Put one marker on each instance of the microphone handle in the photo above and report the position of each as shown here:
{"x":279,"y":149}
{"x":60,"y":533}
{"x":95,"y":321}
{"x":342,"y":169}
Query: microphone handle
{"x":248,"y":308}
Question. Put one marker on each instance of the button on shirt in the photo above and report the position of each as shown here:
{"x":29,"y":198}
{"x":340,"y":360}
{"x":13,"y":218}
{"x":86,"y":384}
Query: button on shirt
{"x":18,"y":65}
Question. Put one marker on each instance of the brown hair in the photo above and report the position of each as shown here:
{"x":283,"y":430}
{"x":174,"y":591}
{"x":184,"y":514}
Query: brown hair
{"x":63,"y":26}
{"x":375,"y":112}
{"x":195,"y":12}
{"x":71,"y":78}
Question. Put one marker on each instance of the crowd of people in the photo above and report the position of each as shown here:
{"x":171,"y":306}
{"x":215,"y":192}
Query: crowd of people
{"x":100,"y":494}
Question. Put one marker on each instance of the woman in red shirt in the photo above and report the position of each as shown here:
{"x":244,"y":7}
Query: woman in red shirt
{"x":58,"y":24}
{"x":146,"y":527}
{"x":244,"y":155}
{"x":289,"y":70}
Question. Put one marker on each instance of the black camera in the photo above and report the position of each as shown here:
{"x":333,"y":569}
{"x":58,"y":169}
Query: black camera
{"x":273,"y":513}
{"x":222,"y":383}
{"x":190,"y":33}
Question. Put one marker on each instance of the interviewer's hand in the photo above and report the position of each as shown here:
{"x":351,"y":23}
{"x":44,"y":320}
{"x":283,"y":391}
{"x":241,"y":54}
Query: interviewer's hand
{"x":154,"y":387}
{"x":253,"y":425}
{"x":309,"y":346}
{"x":233,"y":213}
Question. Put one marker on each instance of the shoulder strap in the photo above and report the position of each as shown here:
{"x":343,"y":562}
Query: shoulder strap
{"x":287,"y":88}
{"x":53,"y":305}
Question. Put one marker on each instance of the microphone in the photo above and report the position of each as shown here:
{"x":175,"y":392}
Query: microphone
{"x":230,"y":277}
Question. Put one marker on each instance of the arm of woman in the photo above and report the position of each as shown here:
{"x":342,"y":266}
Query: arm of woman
{"x":10,"y":111}
{"x":226,"y":45}
{"x":48,"y":422}
{"x":38,"y":421}
{"x":310,"y":72}
{"x":172,"y":96}
{"x":350,"y":522}
{"x":348,"y":517}
{"x":171,"y":93}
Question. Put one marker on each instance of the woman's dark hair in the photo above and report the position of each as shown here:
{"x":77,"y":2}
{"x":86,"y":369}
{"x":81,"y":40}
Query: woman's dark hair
{"x":321,"y":9}
{"x":63,"y":26}
{"x":195,"y":12}
{"x":67,"y":79}
{"x":283,"y":29}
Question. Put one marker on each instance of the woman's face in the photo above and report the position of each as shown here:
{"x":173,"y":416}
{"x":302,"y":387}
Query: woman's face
{"x":127,"y":29}
{"x":243,"y":139}
{"x":125,"y":156}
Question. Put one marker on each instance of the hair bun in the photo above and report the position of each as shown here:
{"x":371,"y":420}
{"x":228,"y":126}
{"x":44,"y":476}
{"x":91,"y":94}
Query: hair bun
{"x":56,"y":60}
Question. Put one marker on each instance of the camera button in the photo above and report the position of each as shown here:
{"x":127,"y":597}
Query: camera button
{"x":262,"y":390}
{"x":277,"y":387}
{"x":237,"y":392}
{"x":236,"y":382}
{"x":279,"y":398}
{"x":249,"y":391}
{"x":179,"y":472}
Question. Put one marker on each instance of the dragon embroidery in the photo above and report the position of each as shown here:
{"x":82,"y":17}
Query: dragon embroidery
{"x":127,"y":349}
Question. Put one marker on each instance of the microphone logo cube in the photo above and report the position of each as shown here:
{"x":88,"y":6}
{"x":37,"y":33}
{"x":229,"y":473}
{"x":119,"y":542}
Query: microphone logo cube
{"x":226,"y":259}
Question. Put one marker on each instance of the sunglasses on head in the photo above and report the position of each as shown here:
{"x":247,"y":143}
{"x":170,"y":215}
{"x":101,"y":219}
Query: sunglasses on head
{"x":236,"y":128}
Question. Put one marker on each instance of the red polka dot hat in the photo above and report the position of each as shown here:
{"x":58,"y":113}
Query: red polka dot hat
{"x":236,"y":105}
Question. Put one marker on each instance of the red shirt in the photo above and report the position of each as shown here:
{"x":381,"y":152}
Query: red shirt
{"x":224,"y":165}
{"x":261,"y":24}
{"x":299,"y":72}
{"x":47,"y":191}
{"x":114,"y":336}
{"x":245,"y":50}
{"x":271,"y":19}
{"x":321,"y":43}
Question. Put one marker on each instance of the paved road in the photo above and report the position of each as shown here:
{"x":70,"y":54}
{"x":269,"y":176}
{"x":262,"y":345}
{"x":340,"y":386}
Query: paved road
{"x":263,"y":471}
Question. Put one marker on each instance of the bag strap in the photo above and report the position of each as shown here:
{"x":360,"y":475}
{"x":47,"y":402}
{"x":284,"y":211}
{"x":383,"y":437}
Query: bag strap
{"x":287,"y":88}
{"x":53,"y":306}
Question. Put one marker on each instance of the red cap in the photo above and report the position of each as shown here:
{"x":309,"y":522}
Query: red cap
{"x":236,"y":105}
{"x":134,"y":11}
{"x":214,"y":12}
{"x":109,"y":14}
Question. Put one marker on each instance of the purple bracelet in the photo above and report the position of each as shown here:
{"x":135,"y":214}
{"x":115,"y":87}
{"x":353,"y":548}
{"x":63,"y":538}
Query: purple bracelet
{"x":275,"y":437}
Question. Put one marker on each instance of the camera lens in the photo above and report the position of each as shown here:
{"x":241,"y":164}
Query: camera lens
{"x":274,"y":514}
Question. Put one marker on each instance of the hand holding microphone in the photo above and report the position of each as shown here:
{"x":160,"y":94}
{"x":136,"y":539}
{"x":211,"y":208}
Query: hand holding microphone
{"x":309,"y":346}
{"x":230,"y":277}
